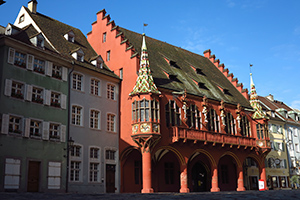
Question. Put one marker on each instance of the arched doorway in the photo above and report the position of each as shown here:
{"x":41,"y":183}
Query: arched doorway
{"x":166,"y":171}
{"x":227,"y":173}
{"x":199,"y":177}
{"x":199,"y":173}
{"x":131,"y":161}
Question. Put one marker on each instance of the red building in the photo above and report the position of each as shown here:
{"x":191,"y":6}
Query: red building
{"x":185,"y":123}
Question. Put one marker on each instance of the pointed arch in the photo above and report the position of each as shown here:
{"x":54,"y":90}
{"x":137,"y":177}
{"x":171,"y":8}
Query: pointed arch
{"x":210,"y":157}
{"x":175,"y":151}
{"x":237,"y":160}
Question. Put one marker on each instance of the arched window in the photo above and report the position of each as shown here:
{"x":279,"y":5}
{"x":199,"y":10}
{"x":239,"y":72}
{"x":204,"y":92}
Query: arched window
{"x":213,"y":121}
{"x":193,"y":117}
{"x":245,"y":126}
{"x":230,"y":124}
{"x":173,"y":114}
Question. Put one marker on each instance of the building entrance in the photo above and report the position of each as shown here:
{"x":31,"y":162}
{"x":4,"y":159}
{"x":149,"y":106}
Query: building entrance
{"x":199,"y":178}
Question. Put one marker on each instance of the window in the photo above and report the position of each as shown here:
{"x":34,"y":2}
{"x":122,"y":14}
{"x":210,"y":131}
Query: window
{"x":94,"y":165}
{"x":55,"y":99}
{"x":80,"y":57}
{"x":110,"y":154}
{"x":94,"y":153}
{"x":54,"y":175}
{"x":108,"y":56}
{"x":193,"y":117}
{"x":173,"y":114}
{"x":75,"y":170}
{"x":22,"y":18}
{"x":245,"y":126}
{"x":111,"y":91}
{"x":54,"y":131}
{"x":95,"y":119}
{"x":230,"y":124}
{"x":75,"y":151}
{"x":145,"y":110}
{"x":111,"y":122}
{"x":95,"y":87}
{"x":15,"y":125}
{"x":260,"y":131}
{"x":20,"y":59}
{"x":12,"y":173}
{"x":94,"y":172}
{"x":77,"y":82}
{"x":104,"y":37}
{"x":169,"y":173}
{"x":77,"y":115}
{"x":17,"y":90}
{"x":35,"y":128}
{"x":213,"y":121}
{"x":37,"y":95}
{"x":39,"y":66}
{"x":56,"y":72}
{"x":138,"y":172}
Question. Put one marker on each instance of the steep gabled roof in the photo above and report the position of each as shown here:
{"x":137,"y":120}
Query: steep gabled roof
{"x":168,"y":59}
{"x":55,"y":30}
{"x":28,"y":32}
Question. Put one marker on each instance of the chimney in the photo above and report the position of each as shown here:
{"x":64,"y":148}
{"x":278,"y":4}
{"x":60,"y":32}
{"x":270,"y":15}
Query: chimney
{"x":32,"y":6}
{"x":270,"y":97}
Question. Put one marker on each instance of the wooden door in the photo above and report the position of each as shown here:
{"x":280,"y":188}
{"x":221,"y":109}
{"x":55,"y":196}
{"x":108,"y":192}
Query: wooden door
{"x":110,"y":178}
{"x":33,"y":179}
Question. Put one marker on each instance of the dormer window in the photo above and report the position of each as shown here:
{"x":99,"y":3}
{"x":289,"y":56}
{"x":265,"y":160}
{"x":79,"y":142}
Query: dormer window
{"x":78,"y":54}
{"x":70,"y":36}
{"x":22,"y":18}
{"x":38,"y":40}
{"x":97,"y":62}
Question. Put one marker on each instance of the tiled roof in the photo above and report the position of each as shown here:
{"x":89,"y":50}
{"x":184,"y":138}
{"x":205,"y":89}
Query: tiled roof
{"x":167,"y":60}
{"x":55,"y":31}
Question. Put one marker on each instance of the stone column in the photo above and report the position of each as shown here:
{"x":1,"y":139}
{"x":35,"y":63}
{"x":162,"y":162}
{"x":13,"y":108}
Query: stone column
{"x":214,"y":180}
{"x":183,"y":179}
{"x":147,"y":182}
{"x":240,"y":181}
{"x":263,"y":176}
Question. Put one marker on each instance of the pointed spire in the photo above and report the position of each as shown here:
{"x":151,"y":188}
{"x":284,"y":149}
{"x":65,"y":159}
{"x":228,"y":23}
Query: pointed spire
{"x":144,"y":82}
{"x":254,"y":102}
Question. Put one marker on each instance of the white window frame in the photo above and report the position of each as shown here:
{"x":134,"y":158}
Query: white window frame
{"x":95,"y":119}
{"x":77,"y":84}
{"x":76,"y":159}
{"x":37,"y":95}
{"x":13,"y":131}
{"x":39,"y":65}
{"x":54,"y":134}
{"x":109,"y":122}
{"x":111,"y":91}
{"x":92,"y":161}
{"x":95,"y":88}
{"x":34,"y":127}
{"x":109,"y":160}
{"x":77,"y":116}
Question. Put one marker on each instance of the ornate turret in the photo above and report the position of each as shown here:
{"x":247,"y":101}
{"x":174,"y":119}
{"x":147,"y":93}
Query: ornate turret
{"x":258,"y":114}
{"x":144,"y":82}
{"x":145,"y":116}
{"x":261,"y":119}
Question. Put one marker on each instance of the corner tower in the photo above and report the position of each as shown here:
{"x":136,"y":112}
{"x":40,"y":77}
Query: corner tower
{"x":145,"y":116}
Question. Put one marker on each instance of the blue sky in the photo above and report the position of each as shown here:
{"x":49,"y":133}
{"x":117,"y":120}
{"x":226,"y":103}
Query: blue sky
{"x":265,"y":33}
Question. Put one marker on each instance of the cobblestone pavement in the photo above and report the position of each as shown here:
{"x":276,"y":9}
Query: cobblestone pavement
{"x":262,"y":195}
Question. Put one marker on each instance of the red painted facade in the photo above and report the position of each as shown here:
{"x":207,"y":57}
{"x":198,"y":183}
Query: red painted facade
{"x":176,"y":158}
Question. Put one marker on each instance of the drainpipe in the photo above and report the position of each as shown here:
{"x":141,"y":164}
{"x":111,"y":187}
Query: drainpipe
{"x":68,"y":132}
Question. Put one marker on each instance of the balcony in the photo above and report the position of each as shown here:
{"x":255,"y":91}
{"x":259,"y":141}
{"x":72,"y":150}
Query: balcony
{"x":177,"y":133}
